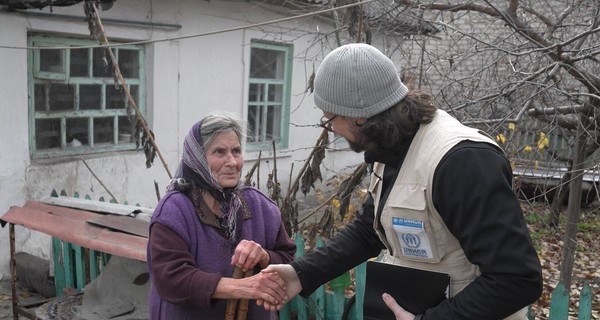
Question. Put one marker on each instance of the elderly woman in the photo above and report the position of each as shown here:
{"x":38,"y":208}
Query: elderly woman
{"x":207,"y":225}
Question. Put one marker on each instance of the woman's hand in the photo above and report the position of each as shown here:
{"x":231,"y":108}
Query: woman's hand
{"x":270,"y":287}
{"x":398,"y":311}
{"x":248,"y":254}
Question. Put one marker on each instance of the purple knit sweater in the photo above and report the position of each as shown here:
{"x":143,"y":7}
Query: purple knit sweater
{"x":211,"y":255}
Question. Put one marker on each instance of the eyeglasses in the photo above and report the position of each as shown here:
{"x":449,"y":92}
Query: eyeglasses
{"x":326,"y":123}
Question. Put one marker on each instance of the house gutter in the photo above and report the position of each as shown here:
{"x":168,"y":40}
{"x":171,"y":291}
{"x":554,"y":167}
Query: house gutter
{"x":105,"y":20}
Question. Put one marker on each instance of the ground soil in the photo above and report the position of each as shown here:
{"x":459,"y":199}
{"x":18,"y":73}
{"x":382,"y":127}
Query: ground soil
{"x":549,"y":244}
{"x":25,"y":297}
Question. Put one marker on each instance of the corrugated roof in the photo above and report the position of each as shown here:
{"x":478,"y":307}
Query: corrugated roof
{"x":113,"y":234}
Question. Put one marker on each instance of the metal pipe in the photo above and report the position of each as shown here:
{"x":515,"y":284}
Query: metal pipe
{"x":106,"y":20}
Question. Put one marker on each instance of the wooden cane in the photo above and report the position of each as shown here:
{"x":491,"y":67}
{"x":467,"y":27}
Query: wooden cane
{"x":237,"y":309}
{"x":242,"y":309}
{"x":232,"y":303}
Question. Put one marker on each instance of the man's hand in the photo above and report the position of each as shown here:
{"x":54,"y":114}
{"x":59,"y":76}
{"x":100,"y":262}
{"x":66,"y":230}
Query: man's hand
{"x":398,"y":311}
{"x":292,"y":284}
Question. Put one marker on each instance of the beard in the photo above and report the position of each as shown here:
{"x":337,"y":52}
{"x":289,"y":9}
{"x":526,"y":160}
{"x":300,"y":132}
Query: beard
{"x":356,"y":146}
{"x":371,"y":150}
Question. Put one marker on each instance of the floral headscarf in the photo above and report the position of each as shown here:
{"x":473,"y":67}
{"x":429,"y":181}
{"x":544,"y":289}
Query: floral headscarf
{"x":194,"y":169}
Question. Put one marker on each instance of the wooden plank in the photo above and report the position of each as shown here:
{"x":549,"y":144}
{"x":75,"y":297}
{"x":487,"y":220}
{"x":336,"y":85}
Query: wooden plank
{"x":94,"y":257}
{"x":59,"y":270}
{"x":125,"y":224}
{"x":339,"y":285}
{"x":585,"y":303}
{"x":559,"y":303}
{"x":360,"y":275}
{"x":299,"y":303}
{"x":68,"y":262}
{"x":316,"y":301}
{"x":339,"y":300}
{"x":285,"y":312}
{"x":79,"y":263}
{"x":97,"y":206}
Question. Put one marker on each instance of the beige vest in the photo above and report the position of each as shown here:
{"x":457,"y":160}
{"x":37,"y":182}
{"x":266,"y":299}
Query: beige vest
{"x":410,"y":226}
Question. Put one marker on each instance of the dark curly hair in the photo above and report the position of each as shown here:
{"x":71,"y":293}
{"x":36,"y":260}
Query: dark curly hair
{"x":387,"y":129}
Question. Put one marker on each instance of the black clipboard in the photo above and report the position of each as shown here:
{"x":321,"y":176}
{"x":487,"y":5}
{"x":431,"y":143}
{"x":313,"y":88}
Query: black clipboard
{"x":415,"y":290}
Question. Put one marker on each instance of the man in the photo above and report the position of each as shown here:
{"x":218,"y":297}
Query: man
{"x":452,"y":181}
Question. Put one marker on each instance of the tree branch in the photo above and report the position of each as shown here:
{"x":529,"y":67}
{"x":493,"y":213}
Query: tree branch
{"x":101,"y":34}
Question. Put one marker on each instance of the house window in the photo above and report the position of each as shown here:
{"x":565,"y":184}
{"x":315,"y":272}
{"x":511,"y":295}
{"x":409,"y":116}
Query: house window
{"x":75,"y":106}
{"x":269,"y":95}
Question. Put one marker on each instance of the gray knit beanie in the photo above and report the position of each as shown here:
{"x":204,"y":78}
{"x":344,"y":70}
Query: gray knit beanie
{"x":358,"y":81}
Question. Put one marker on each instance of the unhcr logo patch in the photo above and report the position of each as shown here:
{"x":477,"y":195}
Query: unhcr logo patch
{"x":412,"y":237}
{"x":412,"y":244}
{"x":411,"y":240}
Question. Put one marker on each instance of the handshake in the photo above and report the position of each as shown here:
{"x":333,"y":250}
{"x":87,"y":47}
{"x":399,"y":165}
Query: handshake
{"x":276,"y":284}
{"x":279,"y":283}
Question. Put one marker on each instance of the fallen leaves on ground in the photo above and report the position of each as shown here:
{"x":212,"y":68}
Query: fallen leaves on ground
{"x":586,"y":268}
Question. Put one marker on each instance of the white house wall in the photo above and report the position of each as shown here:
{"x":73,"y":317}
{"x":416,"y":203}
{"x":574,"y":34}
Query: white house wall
{"x":186,"y":79}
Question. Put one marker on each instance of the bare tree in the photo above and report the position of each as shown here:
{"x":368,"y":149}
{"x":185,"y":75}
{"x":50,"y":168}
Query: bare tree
{"x":526,"y":71}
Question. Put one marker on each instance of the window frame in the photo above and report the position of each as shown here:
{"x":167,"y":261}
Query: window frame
{"x":286,"y":83}
{"x":114,"y":116}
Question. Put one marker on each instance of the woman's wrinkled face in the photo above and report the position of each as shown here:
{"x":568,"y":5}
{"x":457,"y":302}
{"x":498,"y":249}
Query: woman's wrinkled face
{"x":225,"y":159}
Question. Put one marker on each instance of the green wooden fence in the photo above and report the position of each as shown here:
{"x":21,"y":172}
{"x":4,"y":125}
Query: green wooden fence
{"x":559,"y":303}
{"x":76,"y":266}
{"x":70,"y":269}
{"x":329,"y":301}
{"x":332,"y":304}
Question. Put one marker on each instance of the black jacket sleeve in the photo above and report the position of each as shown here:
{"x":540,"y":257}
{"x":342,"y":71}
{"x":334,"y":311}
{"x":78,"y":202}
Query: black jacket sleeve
{"x":354,"y":244}
{"x":472,"y":191}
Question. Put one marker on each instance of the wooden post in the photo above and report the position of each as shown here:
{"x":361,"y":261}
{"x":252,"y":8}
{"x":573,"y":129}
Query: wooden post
{"x":13,"y":271}
{"x":574,"y":206}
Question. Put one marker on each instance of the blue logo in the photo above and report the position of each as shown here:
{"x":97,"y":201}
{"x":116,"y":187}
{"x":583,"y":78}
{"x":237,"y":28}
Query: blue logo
{"x":411,"y":240}
{"x":407,"y":222}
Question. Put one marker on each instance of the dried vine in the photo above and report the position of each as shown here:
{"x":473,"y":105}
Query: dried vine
{"x":142,"y":133}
